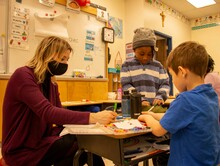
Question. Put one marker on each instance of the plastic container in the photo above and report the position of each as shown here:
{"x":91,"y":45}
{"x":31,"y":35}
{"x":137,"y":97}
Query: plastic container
{"x":118,"y":61}
{"x":119,"y":93}
{"x":135,"y":104}
{"x":126,"y":104}
{"x":112,"y":70}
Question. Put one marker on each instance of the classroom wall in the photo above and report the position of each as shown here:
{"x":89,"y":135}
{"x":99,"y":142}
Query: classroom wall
{"x":116,"y":8}
{"x":210,"y":38}
{"x":140,"y":13}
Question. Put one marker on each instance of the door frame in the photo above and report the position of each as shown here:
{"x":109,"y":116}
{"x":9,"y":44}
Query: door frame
{"x":169,"y":48}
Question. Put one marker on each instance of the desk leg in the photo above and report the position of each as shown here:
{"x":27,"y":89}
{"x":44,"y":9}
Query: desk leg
{"x":146,"y":162}
{"x":76,"y":157}
{"x":90,"y":158}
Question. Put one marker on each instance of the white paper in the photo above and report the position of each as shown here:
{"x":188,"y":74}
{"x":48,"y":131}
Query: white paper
{"x":51,"y":25}
{"x":128,"y":124}
{"x":84,"y":129}
{"x":102,"y":15}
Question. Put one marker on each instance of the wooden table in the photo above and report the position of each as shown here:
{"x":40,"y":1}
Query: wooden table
{"x":85,"y":103}
{"x":80,"y":103}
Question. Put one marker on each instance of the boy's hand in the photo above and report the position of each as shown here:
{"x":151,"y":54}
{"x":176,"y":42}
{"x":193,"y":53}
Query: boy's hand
{"x":145,"y":103}
{"x":158,"y":102}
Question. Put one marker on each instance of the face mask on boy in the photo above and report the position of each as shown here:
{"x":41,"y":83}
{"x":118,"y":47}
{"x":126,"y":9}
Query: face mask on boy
{"x":57,"y":68}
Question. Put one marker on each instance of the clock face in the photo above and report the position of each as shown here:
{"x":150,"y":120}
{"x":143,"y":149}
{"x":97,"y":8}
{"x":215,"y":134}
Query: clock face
{"x":108,"y":35}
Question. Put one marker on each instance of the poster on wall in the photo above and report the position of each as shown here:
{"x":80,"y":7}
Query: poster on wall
{"x":129,"y":51}
{"x":19,"y":28}
{"x":89,"y":45}
{"x":117,"y":25}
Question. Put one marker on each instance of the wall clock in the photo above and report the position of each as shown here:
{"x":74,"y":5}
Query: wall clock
{"x":108,"y":34}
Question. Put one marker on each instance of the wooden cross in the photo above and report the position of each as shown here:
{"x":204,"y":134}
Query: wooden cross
{"x":163,"y":18}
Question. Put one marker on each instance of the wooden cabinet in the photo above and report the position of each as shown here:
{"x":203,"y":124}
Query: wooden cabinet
{"x":114,"y":82}
{"x":3,"y":85}
{"x":62,"y":85}
{"x":98,"y":90}
{"x":78,"y":90}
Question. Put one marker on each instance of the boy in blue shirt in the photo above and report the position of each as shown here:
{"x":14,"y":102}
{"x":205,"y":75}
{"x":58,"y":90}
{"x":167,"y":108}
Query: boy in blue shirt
{"x":192,"y":118}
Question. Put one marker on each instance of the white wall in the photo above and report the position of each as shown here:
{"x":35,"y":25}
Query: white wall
{"x":134,"y":17}
{"x":210,"y":38}
{"x":140,"y":13}
{"x":116,"y":8}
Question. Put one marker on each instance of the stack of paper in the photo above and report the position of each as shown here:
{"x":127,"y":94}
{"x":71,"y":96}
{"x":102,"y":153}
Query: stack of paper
{"x":118,"y":128}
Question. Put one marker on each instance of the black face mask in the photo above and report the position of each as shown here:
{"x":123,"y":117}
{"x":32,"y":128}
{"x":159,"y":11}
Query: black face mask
{"x":57,"y":68}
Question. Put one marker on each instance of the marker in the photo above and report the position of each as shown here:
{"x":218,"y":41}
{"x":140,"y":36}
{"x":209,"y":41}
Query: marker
{"x":115,"y":107}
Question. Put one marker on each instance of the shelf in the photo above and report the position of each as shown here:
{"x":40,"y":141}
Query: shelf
{"x":114,"y":82}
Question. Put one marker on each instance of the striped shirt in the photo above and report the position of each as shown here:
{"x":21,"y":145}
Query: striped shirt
{"x":151,"y":79}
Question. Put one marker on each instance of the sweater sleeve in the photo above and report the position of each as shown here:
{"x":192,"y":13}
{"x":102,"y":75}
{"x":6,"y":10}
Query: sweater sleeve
{"x":28,"y":92}
{"x":164,"y":86}
{"x":125,"y":76}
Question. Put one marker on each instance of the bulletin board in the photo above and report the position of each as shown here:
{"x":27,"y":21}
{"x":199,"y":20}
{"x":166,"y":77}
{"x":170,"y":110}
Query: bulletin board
{"x":81,"y":29}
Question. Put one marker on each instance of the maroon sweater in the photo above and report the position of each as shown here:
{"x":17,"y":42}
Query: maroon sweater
{"x":28,"y":119}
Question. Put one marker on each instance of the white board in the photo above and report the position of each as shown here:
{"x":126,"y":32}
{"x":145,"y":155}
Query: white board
{"x":84,"y":35}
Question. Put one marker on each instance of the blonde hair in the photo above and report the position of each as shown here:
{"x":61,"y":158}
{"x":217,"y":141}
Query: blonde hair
{"x":45,"y":52}
{"x":190,"y":55}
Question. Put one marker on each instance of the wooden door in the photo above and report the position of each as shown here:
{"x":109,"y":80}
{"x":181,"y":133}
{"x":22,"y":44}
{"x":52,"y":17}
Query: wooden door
{"x":161,"y":54}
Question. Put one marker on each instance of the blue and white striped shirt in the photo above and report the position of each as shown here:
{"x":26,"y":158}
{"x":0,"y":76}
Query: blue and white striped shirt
{"x":151,"y":79}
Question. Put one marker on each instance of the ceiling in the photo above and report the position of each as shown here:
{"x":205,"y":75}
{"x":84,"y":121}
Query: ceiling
{"x":191,"y":12}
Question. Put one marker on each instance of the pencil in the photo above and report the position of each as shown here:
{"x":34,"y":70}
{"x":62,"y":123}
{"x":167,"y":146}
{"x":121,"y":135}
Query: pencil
{"x":115,"y":107}
{"x":151,"y":108}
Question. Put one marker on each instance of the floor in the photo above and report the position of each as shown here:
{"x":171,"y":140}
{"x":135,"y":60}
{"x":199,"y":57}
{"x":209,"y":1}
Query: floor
{"x":109,"y":163}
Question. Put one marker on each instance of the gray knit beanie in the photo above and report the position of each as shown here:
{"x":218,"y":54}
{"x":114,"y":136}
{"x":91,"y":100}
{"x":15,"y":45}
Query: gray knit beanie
{"x":144,"y":37}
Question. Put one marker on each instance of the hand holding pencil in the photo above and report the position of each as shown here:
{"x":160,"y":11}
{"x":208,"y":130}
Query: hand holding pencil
{"x":103,"y":117}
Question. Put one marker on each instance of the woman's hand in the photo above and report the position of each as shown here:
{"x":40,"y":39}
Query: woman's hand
{"x":102,"y":117}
